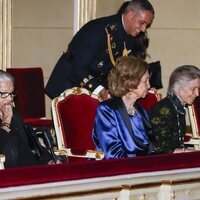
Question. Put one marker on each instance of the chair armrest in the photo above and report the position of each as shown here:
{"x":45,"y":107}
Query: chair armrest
{"x":97,"y":155}
{"x":193,"y":141}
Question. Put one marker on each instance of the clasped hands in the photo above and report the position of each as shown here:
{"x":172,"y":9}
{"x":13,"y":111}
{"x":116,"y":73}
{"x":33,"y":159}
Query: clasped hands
{"x":6,"y":111}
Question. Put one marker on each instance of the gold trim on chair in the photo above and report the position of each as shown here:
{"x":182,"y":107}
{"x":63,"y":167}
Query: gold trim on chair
{"x":97,"y":155}
{"x":78,"y":91}
{"x":195,"y":137}
{"x":62,"y":150}
{"x":74,"y":90}
{"x":193,"y":121}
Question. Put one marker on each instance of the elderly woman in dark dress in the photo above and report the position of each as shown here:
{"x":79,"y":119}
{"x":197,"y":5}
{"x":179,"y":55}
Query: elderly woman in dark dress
{"x":168,"y":116}
{"x":14,"y":142}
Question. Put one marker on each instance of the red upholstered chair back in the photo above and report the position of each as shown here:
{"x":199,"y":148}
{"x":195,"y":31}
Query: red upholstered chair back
{"x":150,"y":99}
{"x":73,"y":114}
{"x":30,"y":99}
{"x":194,"y":115}
{"x":193,"y":139}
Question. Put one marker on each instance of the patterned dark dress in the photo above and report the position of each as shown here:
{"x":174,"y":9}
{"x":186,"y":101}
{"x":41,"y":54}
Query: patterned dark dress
{"x":168,"y":124}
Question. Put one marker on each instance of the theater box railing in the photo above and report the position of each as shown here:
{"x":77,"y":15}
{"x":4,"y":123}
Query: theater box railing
{"x":162,"y":177}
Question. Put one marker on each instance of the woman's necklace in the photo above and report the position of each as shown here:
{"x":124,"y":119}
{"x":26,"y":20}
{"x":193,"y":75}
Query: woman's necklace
{"x":131,"y":110}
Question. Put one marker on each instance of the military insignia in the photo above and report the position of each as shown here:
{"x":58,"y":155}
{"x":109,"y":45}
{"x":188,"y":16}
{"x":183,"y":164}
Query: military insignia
{"x":113,"y":27}
{"x":100,"y":64}
{"x":113,"y":45}
{"x":109,"y":46}
{"x":125,"y":50}
{"x":129,"y":51}
{"x":90,"y":77}
{"x":85,"y":80}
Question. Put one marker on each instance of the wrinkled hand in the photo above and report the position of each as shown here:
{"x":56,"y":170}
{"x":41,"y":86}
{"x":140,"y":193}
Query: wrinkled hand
{"x":7,"y":113}
{"x":104,"y":94}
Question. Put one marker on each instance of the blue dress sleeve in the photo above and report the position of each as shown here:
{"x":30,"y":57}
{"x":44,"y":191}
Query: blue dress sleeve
{"x":112,"y":136}
{"x":105,"y":133}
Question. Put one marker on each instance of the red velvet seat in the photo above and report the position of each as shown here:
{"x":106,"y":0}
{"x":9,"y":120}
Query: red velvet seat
{"x":30,"y":99}
{"x":73,"y":114}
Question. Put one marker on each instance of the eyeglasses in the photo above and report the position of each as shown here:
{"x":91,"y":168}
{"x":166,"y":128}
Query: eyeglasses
{"x":6,"y":94}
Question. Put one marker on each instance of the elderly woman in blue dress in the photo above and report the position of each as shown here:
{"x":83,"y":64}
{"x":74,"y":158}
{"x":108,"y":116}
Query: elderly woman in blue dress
{"x":122,"y":127}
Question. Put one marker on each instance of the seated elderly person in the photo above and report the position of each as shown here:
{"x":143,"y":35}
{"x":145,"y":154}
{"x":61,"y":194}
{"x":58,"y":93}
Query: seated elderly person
{"x":14,"y":143}
{"x":121,"y":126}
{"x":168,"y":115}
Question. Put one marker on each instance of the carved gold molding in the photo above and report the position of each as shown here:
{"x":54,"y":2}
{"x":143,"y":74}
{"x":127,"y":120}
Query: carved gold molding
{"x":5,"y":33}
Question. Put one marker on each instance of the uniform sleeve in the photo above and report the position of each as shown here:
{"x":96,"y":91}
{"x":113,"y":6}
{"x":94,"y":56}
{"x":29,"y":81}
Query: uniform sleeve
{"x":88,"y":48}
{"x":106,"y":135}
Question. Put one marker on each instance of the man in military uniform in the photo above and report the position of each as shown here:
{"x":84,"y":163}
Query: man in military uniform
{"x":96,"y":46}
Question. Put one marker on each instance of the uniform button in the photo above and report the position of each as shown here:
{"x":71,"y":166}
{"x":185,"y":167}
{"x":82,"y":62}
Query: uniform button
{"x":90,"y":85}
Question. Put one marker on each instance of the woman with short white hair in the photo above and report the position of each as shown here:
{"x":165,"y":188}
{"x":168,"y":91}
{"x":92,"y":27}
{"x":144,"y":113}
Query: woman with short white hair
{"x":168,"y":115}
{"x":14,"y":141}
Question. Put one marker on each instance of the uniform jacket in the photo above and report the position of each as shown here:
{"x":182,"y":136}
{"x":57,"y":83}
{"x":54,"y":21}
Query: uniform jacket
{"x":88,"y":59}
{"x":112,"y":135}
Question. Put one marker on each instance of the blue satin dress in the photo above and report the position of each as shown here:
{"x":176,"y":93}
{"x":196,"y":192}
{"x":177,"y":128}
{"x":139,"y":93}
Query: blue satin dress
{"x":111,"y":135}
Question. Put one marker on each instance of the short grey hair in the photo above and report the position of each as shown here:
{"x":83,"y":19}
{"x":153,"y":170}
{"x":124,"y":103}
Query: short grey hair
{"x":6,"y":76}
{"x":181,"y":77}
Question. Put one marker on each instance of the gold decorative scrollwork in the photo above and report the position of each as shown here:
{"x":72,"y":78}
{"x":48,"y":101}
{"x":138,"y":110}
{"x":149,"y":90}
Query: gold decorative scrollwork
{"x":143,"y":197}
{"x":173,"y":195}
